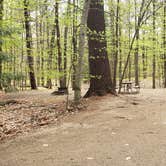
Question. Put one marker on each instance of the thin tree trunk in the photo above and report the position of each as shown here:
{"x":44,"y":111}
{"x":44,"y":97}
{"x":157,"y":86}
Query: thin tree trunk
{"x":113,"y":34}
{"x":82,"y":33}
{"x":74,"y":42}
{"x":42,"y":47}
{"x":164,"y":42}
{"x":29,"y":45}
{"x":154,"y":49}
{"x":117,"y":43}
{"x":141,"y":20}
{"x":129,"y":40}
{"x":65,"y":46}
{"x":60,"y":68}
{"x":136,"y":58}
{"x":51,"y":47}
{"x":1,"y":18}
{"x":144,"y":57}
{"x":37,"y":45}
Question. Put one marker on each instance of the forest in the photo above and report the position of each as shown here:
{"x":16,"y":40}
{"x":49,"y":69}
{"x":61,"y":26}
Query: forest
{"x":91,"y":67}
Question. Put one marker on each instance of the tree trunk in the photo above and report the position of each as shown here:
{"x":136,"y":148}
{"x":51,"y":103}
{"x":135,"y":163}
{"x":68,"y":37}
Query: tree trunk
{"x":154,"y":49}
{"x":66,"y":44}
{"x":29,"y":45}
{"x":164,"y":42}
{"x":117,"y":43}
{"x":100,"y":76}
{"x":78,"y":74}
{"x":51,"y":47}
{"x":74,"y":42}
{"x":1,"y":17}
{"x":112,"y":10}
{"x":38,"y":62}
{"x":129,"y":40}
{"x":62,"y":81}
{"x":144,"y":57}
{"x":139,"y":24}
{"x":136,"y":58}
{"x":136,"y":61}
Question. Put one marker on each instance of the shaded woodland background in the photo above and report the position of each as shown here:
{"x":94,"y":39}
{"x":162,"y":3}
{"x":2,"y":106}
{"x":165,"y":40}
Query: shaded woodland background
{"x":40,"y":43}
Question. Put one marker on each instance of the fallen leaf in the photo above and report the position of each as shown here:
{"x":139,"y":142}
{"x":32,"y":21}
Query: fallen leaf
{"x":90,"y":158}
{"x":128,"y":158}
{"x":45,"y":145}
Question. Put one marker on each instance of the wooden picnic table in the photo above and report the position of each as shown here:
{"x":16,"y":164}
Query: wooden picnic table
{"x":127,"y":86}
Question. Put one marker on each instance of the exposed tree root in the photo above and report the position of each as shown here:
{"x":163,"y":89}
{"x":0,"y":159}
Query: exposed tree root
{"x":91,"y":93}
{"x":3,"y":103}
{"x":60,"y":91}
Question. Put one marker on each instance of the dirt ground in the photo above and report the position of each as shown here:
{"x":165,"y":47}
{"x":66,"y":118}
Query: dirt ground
{"x":113,"y":131}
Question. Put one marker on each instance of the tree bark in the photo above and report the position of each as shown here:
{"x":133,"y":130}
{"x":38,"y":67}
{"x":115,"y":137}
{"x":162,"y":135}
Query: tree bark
{"x":144,"y":57}
{"x":136,"y":57}
{"x":117,"y":43}
{"x":74,"y":42}
{"x":164,"y":42}
{"x":62,"y":81}
{"x":51,"y":47}
{"x":66,"y":44}
{"x":100,"y":76}
{"x":29,"y":45}
{"x":1,"y":17}
{"x":78,"y":74}
{"x":154,"y":49}
{"x":112,"y":10}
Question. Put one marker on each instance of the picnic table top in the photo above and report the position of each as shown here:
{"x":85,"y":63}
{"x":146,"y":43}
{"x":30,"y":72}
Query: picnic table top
{"x":127,"y":82}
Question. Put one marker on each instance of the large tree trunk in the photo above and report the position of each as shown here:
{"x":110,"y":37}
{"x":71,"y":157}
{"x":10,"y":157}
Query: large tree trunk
{"x":1,"y":17}
{"x":100,"y":76}
{"x":29,"y":45}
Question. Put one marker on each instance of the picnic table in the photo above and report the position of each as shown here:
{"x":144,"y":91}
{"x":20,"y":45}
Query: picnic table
{"x":127,"y":86}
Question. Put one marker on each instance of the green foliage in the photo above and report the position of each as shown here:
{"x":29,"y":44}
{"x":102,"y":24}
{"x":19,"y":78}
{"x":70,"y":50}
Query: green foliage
{"x":4,"y":57}
{"x":7,"y":78}
{"x":12,"y":37}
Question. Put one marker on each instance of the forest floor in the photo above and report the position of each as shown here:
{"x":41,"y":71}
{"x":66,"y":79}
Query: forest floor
{"x":128,"y":130}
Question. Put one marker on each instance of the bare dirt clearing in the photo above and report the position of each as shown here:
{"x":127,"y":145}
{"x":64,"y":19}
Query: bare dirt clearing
{"x":118,"y":131}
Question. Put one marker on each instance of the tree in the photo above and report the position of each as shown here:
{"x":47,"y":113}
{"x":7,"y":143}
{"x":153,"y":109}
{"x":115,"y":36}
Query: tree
{"x":100,"y":75}
{"x":78,"y":74}
{"x":154,"y":46}
{"x":62,"y":80}
{"x":116,"y":43}
{"x":29,"y":45}
{"x":136,"y":55}
{"x":65,"y":53}
{"x":141,"y":20}
{"x":1,"y":17}
{"x":164,"y":40}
